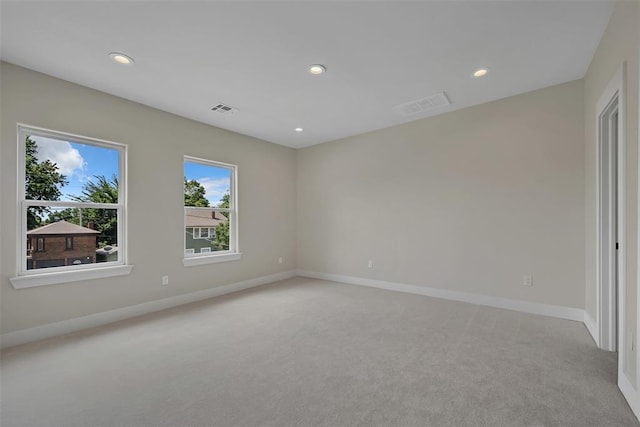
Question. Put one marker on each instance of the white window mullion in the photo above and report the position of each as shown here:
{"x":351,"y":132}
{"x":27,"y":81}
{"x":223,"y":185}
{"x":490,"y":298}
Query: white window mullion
{"x":70,"y":204}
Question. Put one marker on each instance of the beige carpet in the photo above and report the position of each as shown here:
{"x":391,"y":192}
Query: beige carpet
{"x":312,"y":353}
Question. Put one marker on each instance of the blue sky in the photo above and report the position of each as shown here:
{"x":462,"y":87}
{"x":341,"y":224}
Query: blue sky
{"x":214,"y":180}
{"x":80,"y":163}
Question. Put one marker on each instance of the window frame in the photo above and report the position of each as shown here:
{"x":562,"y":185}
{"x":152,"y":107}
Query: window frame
{"x":233,"y":253}
{"x":67,"y":240}
{"x":27,"y":278}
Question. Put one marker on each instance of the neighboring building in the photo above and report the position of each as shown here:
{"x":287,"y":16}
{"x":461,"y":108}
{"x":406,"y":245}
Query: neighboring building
{"x":200,"y":229}
{"x":60,"y":243}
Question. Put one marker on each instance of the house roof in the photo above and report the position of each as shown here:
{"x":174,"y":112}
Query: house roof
{"x":203,"y":218}
{"x":62,"y":227}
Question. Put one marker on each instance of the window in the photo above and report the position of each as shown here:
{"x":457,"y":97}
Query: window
{"x":203,"y":233}
{"x":72,"y":191}
{"x":210,"y":212}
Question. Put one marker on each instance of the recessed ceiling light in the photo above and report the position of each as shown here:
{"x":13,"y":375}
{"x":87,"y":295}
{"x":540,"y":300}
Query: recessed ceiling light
{"x":480,"y":72}
{"x":121,"y":58}
{"x":299,"y":129}
{"x":317,"y":69}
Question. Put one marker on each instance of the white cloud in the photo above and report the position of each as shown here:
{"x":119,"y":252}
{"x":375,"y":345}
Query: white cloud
{"x":215,"y":188}
{"x":61,"y":153}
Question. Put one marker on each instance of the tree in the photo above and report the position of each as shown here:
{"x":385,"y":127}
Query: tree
{"x":42,"y":182}
{"x":221,"y":240}
{"x":98,"y":190}
{"x":226,"y":201}
{"x":194,"y":194}
{"x":101,"y":190}
{"x":68,"y":214}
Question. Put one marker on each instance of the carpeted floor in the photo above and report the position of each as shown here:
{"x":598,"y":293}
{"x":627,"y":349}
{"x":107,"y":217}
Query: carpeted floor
{"x":306,"y":352}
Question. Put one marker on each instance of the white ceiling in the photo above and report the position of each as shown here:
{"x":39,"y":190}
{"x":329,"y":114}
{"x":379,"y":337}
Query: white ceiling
{"x":254,"y":56}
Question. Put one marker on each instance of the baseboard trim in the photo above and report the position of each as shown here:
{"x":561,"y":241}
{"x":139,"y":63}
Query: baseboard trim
{"x":24,"y":336}
{"x":630,"y":393}
{"x":568,"y":313}
{"x":592,"y":327}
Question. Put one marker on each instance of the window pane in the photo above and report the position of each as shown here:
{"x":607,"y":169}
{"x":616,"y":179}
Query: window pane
{"x":70,"y":170}
{"x":206,"y":185}
{"x":213,"y":228}
{"x":71,"y":236}
{"x":56,"y":169}
{"x":221,"y":239}
{"x":209,"y":206}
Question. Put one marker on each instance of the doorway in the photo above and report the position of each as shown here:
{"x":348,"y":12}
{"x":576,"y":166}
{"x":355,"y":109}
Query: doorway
{"x":610,"y":216}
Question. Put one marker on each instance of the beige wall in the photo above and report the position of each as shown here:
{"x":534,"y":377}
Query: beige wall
{"x":468,"y":201}
{"x":620,"y":43}
{"x":157,"y":143}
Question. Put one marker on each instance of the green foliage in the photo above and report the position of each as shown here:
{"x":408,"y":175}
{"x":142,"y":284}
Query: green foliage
{"x":68,"y":214}
{"x":194,"y":194}
{"x":221,"y":239}
{"x":98,"y":190}
{"x":42,"y":182}
{"x":102,"y":190}
{"x":225,"y":202}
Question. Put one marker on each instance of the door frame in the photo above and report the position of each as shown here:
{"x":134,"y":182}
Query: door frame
{"x":609,"y":309}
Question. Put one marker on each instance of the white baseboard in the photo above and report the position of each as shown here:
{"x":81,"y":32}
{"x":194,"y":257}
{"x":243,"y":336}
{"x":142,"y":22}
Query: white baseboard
{"x":592,"y":327}
{"x":66,"y":326}
{"x":630,"y":393}
{"x":568,"y":313}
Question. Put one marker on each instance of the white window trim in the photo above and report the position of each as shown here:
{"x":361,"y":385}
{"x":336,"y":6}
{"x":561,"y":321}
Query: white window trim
{"x":233,"y":254}
{"x":211,"y":259}
{"x":42,"y":277}
{"x":55,"y":278}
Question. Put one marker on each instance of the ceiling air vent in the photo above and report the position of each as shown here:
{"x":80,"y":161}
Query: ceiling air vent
{"x":421,"y":105}
{"x":224,"y":109}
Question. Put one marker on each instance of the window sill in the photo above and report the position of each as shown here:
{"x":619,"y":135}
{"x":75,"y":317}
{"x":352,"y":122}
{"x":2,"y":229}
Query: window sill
{"x":43,"y":279}
{"x":210,"y":259}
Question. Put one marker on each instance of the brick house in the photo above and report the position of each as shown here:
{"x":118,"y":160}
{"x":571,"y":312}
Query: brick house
{"x":200,"y":227}
{"x":61,"y":243}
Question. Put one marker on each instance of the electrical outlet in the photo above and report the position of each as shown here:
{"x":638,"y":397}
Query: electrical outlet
{"x":280,"y":260}
{"x":165,"y":280}
{"x":370,"y":264}
{"x":527,"y":280}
